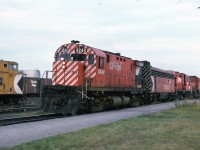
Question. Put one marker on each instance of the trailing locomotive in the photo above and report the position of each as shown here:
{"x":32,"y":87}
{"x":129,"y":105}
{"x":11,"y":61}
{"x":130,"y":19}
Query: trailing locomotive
{"x":11,"y":82}
{"x":195,"y":86}
{"x":186,"y":86}
{"x":89,"y":79}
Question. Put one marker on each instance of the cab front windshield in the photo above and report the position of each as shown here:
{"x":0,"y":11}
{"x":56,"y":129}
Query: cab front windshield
{"x":72,"y":57}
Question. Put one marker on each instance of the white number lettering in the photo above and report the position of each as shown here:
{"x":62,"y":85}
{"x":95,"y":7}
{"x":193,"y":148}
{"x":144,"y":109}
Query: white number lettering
{"x":100,"y":71}
{"x":81,"y":50}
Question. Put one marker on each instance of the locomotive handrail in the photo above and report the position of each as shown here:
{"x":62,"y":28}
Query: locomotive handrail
{"x":82,"y":94}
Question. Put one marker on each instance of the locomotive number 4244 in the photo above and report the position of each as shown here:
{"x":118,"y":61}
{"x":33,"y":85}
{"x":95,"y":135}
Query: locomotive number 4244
{"x":81,"y":50}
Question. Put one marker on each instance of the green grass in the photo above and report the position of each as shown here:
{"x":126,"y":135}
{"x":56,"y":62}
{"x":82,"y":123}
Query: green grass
{"x":175,"y":129}
{"x":185,"y":104}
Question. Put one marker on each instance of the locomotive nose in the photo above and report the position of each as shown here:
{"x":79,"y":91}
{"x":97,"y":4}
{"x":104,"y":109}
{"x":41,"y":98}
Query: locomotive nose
{"x":18,"y":84}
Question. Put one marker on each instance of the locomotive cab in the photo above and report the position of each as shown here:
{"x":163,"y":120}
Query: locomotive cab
{"x":76,"y":65}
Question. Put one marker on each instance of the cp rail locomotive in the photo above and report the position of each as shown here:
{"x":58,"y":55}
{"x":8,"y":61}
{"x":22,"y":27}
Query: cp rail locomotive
{"x":11,"y":82}
{"x":89,"y":79}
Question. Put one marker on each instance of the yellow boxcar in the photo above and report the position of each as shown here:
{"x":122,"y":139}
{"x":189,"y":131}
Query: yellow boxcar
{"x":11,"y":82}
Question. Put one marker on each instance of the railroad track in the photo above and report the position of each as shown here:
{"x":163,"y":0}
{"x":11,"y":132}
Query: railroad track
{"x":28,"y":105}
{"x":20,"y":109}
{"x":16,"y":120}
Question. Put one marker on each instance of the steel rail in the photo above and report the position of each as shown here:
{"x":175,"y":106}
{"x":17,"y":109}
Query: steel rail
{"x":16,"y":120}
{"x":20,"y":109}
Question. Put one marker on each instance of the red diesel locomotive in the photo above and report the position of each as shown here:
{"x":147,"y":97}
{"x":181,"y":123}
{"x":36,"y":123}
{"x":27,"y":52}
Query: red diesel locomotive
{"x":186,"y":86}
{"x":182,"y":85}
{"x":195,"y":86}
{"x":89,"y":79}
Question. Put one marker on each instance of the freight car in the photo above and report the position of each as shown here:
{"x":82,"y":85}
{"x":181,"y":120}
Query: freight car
{"x":33,"y":86}
{"x":33,"y":83}
{"x":89,"y":79}
{"x":11,"y":82}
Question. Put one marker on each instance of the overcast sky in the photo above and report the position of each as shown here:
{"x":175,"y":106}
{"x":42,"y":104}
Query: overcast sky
{"x":164,"y":32}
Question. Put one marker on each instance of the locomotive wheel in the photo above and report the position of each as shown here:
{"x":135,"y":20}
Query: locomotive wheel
{"x":135,"y":101}
{"x":97,"y":108}
{"x":96,"y":105}
{"x":181,"y":97}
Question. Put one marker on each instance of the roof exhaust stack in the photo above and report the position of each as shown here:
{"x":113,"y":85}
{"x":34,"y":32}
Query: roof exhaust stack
{"x":75,"y":41}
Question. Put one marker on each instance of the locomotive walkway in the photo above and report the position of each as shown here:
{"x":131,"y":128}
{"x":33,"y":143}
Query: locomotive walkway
{"x":19,"y":133}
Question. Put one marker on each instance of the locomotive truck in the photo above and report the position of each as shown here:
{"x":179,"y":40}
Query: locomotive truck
{"x":89,"y":79}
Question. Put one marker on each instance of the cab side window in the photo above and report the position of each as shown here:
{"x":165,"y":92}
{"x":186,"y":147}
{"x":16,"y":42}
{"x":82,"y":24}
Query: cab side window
{"x":101,"y":62}
{"x":91,"y":59}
